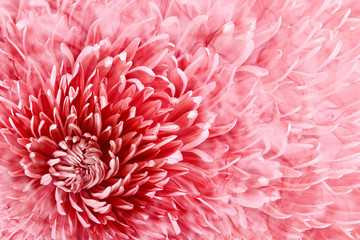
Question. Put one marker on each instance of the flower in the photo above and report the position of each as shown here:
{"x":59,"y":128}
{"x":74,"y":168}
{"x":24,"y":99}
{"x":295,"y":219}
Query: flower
{"x":95,"y":143}
{"x":179,"y":119}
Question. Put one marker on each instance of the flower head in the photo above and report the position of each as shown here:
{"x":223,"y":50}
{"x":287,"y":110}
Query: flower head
{"x":103,"y":136}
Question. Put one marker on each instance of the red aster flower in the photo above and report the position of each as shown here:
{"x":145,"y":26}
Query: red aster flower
{"x":105,"y":144}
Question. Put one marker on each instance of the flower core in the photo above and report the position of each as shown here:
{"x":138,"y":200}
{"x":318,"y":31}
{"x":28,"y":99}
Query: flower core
{"x":77,"y":165}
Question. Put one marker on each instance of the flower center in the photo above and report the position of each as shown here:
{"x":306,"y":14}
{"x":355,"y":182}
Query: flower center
{"x":78,"y":164}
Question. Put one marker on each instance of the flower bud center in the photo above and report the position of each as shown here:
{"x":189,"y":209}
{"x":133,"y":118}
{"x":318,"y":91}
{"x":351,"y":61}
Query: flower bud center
{"x":77,"y":165}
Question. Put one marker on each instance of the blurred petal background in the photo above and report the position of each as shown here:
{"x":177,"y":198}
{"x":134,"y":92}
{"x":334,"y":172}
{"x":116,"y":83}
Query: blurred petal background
{"x":179,"y":119}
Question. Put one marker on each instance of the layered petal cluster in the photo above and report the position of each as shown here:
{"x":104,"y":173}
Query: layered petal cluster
{"x":95,"y":138}
{"x":172,"y":119}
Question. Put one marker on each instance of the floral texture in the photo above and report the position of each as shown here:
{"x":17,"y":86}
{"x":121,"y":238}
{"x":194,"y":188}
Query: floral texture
{"x":176,"y":119}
